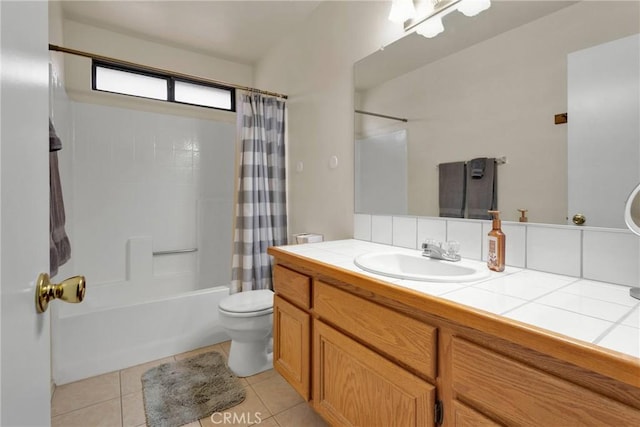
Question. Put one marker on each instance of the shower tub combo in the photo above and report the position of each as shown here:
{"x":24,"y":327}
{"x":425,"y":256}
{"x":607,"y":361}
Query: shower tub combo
{"x":125,"y":323}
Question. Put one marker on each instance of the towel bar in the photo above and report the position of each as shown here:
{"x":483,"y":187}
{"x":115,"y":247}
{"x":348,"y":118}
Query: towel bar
{"x":175,"y":251}
{"x":499,"y":161}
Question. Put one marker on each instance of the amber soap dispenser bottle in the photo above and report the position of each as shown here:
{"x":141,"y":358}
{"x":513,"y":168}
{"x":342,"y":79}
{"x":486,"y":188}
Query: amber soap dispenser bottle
{"x":495,"y":259}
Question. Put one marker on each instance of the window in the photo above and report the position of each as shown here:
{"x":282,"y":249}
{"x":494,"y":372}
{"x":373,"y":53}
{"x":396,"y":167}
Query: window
{"x":137,"y":82}
{"x":129,"y":83}
{"x":197,"y":94}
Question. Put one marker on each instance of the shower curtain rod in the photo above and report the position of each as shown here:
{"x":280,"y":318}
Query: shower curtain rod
{"x":115,"y":61}
{"x":384,"y":116}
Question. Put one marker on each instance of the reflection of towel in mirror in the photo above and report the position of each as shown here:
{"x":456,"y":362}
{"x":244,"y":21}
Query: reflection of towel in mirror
{"x":451,"y":189}
{"x":59,"y":245}
{"x":476,"y":167}
{"x":54,"y":142}
{"x":482,"y":194}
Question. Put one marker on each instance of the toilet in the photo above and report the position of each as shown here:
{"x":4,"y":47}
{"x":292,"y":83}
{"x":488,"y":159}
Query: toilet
{"x":247,"y":317}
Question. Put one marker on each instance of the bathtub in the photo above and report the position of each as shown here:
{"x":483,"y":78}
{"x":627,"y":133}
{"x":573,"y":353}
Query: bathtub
{"x":122,"y":324}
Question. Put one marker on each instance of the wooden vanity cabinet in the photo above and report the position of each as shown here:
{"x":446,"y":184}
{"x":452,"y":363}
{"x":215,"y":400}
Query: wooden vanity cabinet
{"x":371,"y":370}
{"x":366,"y":353}
{"x":292,"y":328}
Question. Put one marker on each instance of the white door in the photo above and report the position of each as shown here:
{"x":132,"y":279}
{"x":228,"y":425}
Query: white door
{"x":25,"y":392}
{"x":604,"y":130}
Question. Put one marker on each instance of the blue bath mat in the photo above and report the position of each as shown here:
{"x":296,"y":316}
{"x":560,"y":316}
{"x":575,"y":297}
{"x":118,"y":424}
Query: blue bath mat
{"x":178,"y":393}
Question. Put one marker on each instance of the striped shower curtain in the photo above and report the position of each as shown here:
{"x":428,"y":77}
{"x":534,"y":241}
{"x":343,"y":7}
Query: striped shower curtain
{"x":261,"y":210}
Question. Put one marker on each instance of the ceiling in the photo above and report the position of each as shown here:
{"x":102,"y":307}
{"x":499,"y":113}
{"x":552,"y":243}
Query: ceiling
{"x":239,"y":31}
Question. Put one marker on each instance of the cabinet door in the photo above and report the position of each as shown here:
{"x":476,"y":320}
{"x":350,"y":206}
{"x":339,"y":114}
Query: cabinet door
{"x":354,"y":386}
{"x":291,"y":345}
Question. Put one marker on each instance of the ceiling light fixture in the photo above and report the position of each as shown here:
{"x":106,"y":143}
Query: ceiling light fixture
{"x":401,"y":10}
{"x":473,"y":7}
{"x":425,"y":16}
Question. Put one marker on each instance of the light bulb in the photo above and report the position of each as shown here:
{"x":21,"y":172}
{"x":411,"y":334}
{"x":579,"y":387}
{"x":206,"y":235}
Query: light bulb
{"x":473,"y":7}
{"x":401,"y":10}
{"x":431,"y":27}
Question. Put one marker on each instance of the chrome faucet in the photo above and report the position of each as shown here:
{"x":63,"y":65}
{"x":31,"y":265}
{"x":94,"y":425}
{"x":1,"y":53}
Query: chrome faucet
{"x":435,"y":250}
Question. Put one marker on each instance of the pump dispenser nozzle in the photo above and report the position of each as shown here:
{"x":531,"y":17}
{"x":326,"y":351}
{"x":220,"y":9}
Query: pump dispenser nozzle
{"x":496,"y":219}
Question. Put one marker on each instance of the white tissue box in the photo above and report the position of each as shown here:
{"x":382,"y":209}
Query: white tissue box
{"x":308,"y":238}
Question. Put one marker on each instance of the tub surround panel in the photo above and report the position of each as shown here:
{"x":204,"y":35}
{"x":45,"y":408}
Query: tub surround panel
{"x":139,"y":258}
{"x":148,"y":174}
{"x":167,"y":265}
{"x":573,"y":251}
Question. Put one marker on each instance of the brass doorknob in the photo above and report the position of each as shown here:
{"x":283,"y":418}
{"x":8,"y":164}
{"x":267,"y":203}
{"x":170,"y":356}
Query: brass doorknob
{"x":579,"y":219}
{"x":70,"y":290}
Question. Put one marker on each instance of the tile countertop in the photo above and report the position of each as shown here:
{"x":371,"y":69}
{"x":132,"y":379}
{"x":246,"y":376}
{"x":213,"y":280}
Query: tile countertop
{"x":600,"y":313}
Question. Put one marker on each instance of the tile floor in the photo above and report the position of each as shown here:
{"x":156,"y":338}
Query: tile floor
{"x":115,"y":400}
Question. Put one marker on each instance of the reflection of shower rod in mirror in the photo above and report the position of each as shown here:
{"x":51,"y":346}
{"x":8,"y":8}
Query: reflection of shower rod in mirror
{"x":384,"y":116}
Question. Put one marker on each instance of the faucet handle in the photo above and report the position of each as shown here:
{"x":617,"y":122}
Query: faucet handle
{"x":451,"y":247}
{"x":430,"y":242}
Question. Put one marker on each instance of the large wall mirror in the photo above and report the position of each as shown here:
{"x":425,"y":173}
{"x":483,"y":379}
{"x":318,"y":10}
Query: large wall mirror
{"x":492,"y":86}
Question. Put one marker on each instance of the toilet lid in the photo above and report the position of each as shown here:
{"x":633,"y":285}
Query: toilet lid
{"x":249,"y":301}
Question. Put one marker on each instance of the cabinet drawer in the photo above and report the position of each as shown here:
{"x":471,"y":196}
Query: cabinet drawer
{"x":519,"y":394}
{"x":398,"y":336}
{"x":354,"y":386}
{"x":293,"y":286}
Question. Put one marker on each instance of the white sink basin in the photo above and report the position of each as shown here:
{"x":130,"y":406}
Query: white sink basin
{"x":416,"y":267}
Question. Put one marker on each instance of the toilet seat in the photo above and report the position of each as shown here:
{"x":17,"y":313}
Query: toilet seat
{"x":246,"y":314}
{"x":248,"y":304}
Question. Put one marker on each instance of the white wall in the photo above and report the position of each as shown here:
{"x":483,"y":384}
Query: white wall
{"x":101,"y":41}
{"x":511,"y":85}
{"x":314,"y":66}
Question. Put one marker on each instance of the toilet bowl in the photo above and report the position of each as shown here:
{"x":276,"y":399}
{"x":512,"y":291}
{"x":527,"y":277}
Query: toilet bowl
{"x":247,"y":317}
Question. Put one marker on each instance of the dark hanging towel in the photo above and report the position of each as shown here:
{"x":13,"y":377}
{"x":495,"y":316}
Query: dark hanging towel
{"x":451,"y":189}
{"x":59,"y":245}
{"x":482,"y":194}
